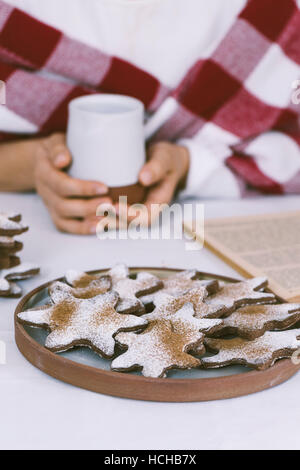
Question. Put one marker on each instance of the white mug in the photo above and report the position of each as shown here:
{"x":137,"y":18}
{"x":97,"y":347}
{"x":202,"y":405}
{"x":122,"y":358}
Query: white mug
{"x":106,"y":138}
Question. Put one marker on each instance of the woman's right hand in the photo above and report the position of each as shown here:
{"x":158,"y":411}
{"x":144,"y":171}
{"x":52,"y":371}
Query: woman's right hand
{"x":72,"y":203}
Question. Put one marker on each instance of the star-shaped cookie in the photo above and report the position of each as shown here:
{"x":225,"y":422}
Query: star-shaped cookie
{"x":180,"y":283}
{"x":86,"y":286}
{"x":261,"y":353}
{"x":19,"y":273}
{"x":253,"y":321}
{"x":4,"y":286}
{"x":9,"y":249}
{"x":161,"y":347}
{"x":235,"y":295}
{"x":9,"y":289}
{"x":8,"y":262}
{"x":10,"y":225}
{"x":128,"y":289}
{"x":6,"y":242}
{"x":188,"y":304}
{"x":118,"y":272}
{"x":131,"y":289}
{"x":82,"y":322}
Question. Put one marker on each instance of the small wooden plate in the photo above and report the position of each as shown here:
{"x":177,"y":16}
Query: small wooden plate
{"x":82,"y":368}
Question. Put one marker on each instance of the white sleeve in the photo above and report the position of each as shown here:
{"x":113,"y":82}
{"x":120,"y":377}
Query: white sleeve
{"x":277,"y":155}
{"x":208,"y":176}
{"x":11,"y":122}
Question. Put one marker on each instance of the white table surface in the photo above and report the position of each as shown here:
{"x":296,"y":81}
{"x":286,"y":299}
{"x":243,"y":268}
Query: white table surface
{"x":38,"y":412}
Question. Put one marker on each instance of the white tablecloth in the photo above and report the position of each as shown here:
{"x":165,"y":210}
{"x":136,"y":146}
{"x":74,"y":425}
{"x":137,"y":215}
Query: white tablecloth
{"x":38,"y":412}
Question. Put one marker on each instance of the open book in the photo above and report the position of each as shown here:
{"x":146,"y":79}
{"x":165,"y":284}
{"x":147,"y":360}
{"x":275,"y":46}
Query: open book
{"x":259,"y":245}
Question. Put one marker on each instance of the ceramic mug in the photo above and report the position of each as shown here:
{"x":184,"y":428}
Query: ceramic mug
{"x":106,"y":138}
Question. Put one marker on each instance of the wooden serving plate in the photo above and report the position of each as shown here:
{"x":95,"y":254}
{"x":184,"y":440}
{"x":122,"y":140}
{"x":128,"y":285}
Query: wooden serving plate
{"x":83,"y":368}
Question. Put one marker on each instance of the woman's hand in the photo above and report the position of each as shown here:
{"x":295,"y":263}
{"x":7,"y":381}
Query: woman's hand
{"x":72,"y":203}
{"x":166,"y":169}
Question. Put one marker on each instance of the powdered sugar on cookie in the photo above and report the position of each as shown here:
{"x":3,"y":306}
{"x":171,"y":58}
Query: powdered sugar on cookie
{"x":6,"y":242}
{"x":252,"y":321}
{"x":158,"y":349}
{"x":180,"y":283}
{"x":10,"y":225}
{"x":186,"y":304}
{"x":241,"y":293}
{"x":85,"y":322}
{"x":4,"y":286}
{"x":21,"y":272}
{"x":260,"y":353}
{"x":118,"y":272}
{"x":128,"y":289}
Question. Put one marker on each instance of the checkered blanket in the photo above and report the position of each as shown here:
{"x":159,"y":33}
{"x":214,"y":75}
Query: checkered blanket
{"x":242,"y":103}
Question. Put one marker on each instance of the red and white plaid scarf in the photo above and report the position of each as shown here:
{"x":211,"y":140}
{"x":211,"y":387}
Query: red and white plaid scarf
{"x":213,"y":90}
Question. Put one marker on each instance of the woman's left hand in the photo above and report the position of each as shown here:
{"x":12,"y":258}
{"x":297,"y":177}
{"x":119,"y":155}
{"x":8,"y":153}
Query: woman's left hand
{"x":166,"y":169}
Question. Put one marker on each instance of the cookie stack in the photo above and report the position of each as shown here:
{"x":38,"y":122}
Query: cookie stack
{"x":11,"y":268}
{"x":141,"y":322}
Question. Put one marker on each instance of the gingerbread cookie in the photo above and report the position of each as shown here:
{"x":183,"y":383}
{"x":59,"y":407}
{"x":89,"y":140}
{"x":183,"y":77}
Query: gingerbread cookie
{"x":10,"y":249}
{"x":161,"y":347}
{"x":190,"y":306}
{"x":118,"y":272}
{"x":233,"y":296}
{"x":183,"y":281}
{"x":144,"y":284}
{"x":81,"y":322}
{"x":260,"y":353}
{"x":97,"y":287}
{"x":4,"y":287}
{"x":180,"y":283}
{"x":21,"y":272}
{"x":6,"y":242}
{"x":128,"y":289}
{"x":253,"y":321}
{"x":87,"y":286}
{"x":14,"y":291}
{"x":10,"y":225}
{"x":9,"y":289}
{"x":197,"y":297}
{"x":9,"y":262}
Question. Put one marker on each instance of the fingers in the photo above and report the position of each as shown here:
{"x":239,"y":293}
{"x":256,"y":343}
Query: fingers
{"x":65,"y":186}
{"x":84,"y":227}
{"x":158,"y":167}
{"x":72,"y":203}
{"x":69,"y":208}
{"x":157,"y":199}
{"x":57,"y":151}
{"x":161,"y":194}
{"x":73,"y":215}
{"x":72,"y":208}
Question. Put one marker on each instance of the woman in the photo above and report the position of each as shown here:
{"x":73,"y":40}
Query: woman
{"x":216,"y":79}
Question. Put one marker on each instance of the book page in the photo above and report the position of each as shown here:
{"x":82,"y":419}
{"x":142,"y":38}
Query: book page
{"x":260,"y":245}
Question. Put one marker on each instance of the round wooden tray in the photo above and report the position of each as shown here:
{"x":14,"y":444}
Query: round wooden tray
{"x":138,"y":387}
